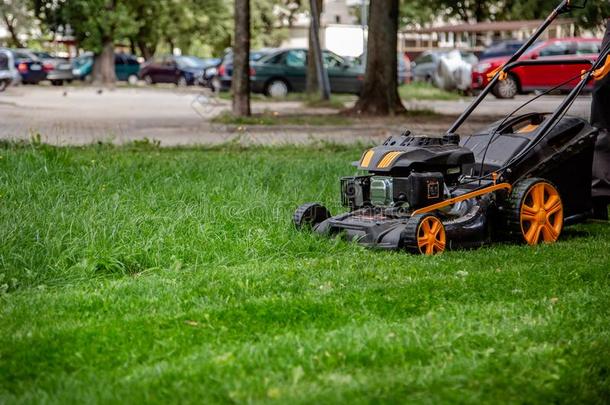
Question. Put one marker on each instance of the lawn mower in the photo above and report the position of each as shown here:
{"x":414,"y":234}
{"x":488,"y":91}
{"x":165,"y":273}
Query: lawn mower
{"x":523,"y":178}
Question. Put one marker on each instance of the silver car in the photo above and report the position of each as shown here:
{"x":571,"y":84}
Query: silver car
{"x":8,"y":73}
{"x":61,"y":68}
{"x":426,"y":64}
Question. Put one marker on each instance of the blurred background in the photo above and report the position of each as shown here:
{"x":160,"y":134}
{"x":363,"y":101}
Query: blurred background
{"x":445,"y":52}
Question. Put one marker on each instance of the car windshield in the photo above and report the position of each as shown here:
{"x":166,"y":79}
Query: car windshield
{"x":43,"y":55}
{"x":189,"y":62}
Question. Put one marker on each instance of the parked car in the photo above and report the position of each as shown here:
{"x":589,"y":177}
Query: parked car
{"x":126,"y":67}
{"x":530,"y":78}
{"x":59,"y":70}
{"x":8,"y":72}
{"x":405,"y":74}
{"x":502,"y":48}
{"x":29,"y":66}
{"x":218,"y":77}
{"x":180,"y":70}
{"x":285,"y":70}
{"x":426,"y":64}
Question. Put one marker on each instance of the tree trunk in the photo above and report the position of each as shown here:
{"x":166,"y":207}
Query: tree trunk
{"x":10,"y":26}
{"x":103,"y":67}
{"x":380,"y":88}
{"x":312,"y":86}
{"x":147,"y":51}
{"x":241,"y":60}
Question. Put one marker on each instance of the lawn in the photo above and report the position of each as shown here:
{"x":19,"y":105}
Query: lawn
{"x":140,"y":274}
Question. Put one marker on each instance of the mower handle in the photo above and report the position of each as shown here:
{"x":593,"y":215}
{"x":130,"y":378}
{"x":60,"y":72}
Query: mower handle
{"x":562,"y":8}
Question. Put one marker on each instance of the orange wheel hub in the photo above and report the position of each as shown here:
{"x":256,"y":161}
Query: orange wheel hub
{"x":431,"y":237}
{"x":541,"y":214}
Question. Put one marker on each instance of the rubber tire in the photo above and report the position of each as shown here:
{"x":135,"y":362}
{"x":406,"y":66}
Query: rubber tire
{"x":182,"y":82}
{"x":132,"y":80}
{"x":511,"y":211}
{"x":511,"y":83}
{"x":57,"y":82}
{"x":270,"y":84}
{"x":309,"y":215}
{"x":149,"y":80}
{"x":409,"y":234}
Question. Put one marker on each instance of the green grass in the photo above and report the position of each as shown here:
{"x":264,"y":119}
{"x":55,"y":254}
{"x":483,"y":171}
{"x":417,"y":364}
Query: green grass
{"x":425,"y":91}
{"x":273,"y":118}
{"x":141,"y":274}
{"x":337,"y":101}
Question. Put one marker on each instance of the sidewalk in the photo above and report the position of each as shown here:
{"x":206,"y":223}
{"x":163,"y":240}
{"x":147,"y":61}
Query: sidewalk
{"x":82,"y":115}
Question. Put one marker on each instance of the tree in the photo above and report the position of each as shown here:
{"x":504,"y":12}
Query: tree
{"x":380,"y":88}
{"x":17,"y":19}
{"x":241,"y":59}
{"x":312,"y":86}
{"x":97,"y":24}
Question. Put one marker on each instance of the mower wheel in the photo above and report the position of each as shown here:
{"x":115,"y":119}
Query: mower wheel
{"x":534,"y":212}
{"x":425,"y":234}
{"x":309,"y":215}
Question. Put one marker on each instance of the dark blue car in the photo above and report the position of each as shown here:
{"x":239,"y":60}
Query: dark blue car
{"x":29,"y":66}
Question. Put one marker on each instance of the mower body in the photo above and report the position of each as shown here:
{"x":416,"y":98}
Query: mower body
{"x":407,"y":173}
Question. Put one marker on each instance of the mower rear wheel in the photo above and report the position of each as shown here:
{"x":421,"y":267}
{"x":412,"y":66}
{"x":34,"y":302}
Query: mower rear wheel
{"x":535,"y":212}
{"x":425,"y":234}
{"x":309,"y":215}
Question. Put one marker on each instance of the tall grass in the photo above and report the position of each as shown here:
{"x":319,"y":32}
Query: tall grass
{"x":141,"y":274}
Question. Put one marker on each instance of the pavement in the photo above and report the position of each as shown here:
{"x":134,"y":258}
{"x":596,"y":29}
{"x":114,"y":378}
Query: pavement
{"x":176,"y":117}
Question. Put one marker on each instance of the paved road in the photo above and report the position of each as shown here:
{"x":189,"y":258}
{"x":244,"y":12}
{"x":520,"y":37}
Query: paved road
{"x":82,"y":115}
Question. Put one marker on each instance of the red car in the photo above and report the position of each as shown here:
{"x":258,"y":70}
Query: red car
{"x":529,"y":78}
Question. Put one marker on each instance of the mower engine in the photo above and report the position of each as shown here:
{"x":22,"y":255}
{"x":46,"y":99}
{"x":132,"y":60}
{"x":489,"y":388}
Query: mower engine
{"x":407,"y":172}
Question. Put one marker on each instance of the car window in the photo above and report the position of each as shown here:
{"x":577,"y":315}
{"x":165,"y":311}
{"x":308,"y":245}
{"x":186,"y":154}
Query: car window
{"x":424,"y":59}
{"x":469,"y":57}
{"x":584,"y":48}
{"x":296,"y":58}
{"x":332,"y":61}
{"x":273,"y":59}
{"x":556,"y":48}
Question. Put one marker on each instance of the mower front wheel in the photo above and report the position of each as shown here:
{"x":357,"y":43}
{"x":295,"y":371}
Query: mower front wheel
{"x":425,"y":234}
{"x":310,"y":215}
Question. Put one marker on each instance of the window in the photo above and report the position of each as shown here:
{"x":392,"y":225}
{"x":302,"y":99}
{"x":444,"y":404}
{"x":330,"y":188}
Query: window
{"x":424,"y":59}
{"x":332,"y":61}
{"x":584,"y":48}
{"x":273,"y":59}
{"x":556,"y":48}
{"x":296,"y":58}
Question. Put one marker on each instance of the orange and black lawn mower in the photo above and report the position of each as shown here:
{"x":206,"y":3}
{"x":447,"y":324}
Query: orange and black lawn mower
{"x":522,"y":178}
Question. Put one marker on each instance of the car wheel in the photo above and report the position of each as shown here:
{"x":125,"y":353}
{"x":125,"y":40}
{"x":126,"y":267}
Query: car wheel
{"x":216,"y":85}
{"x":57,"y":82}
{"x":132,"y":79}
{"x":506,"y":88}
{"x":277,"y":88}
{"x":182,"y":82}
{"x":149,"y":80}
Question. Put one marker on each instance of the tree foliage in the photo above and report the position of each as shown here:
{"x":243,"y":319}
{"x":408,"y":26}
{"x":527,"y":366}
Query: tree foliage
{"x":426,"y":11}
{"x":17,"y":18}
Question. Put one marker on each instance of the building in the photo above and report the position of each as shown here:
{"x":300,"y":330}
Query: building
{"x":476,"y":36}
{"x":339,"y":29}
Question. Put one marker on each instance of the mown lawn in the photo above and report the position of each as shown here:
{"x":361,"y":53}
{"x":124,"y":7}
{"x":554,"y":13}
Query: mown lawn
{"x":138,"y":274}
